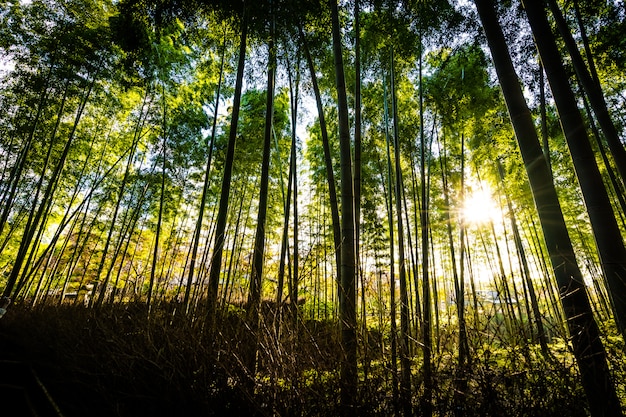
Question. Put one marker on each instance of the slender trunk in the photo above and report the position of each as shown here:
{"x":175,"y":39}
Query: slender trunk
{"x":293,"y":291}
{"x":256,"y":278}
{"x":392,"y":260}
{"x":585,"y":334}
{"x":583,"y":34}
{"x":458,"y":277}
{"x":47,"y":197}
{"x":20,"y":164}
{"x":159,"y":224}
{"x":347,"y":290}
{"x":32,"y":222}
{"x":426,"y":293}
{"x":205,"y":187}
{"x":222,"y":214}
{"x":285,"y":236}
{"x":98,"y":298}
{"x":67,"y":218}
{"x":405,"y":366}
{"x":538,"y":319}
{"x":357,"y":134}
{"x":330,"y":176}
{"x":414,"y":248}
{"x":544,"y":117}
{"x":618,"y":187}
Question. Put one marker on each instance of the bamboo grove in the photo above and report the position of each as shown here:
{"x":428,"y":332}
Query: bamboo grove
{"x":428,"y":187}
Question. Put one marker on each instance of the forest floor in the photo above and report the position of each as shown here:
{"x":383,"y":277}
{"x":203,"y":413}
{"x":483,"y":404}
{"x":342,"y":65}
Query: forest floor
{"x":115,"y":363}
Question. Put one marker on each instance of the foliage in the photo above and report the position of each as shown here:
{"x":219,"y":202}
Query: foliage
{"x":130,"y":90}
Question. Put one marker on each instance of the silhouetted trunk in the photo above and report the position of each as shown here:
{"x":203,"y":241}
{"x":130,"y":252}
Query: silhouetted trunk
{"x":46,"y":200}
{"x":159,"y":224}
{"x":293,"y":168}
{"x":347,"y":287}
{"x":330,"y":176}
{"x":538,"y":319}
{"x":205,"y":187}
{"x":222,"y":214}
{"x":405,"y":365}
{"x":608,"y":237}
{"x":256,"y":277}
{"x":20,"y":163}
{"x":284,"y":243}
{"x":98,"y":298}
{"x":544,"y":117}
{"x":584,"y":332}
{"x":590,"y":85}
{"x":458,"y":278}
{"x":424,"y":226}
{"x":392,"y":260}
{"x":357,"y":136}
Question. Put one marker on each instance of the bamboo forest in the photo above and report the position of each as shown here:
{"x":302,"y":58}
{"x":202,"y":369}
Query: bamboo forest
{"x":313,"y":207}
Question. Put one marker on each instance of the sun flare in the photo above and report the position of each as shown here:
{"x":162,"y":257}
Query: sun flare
{"x":480,"y":207}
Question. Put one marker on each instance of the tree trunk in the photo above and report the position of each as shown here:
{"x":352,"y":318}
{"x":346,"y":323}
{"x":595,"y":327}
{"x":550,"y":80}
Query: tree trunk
{"x":392,"y":260}
{"x":46,"y":198}
{"x":424,"y":226}
{"x":20,"y":164}
{"x":585,"y":336}
{"x":541,"y":334}
{"x":330,"y":176}
{"x":256,"y":278}
{"x":222,"y":214}
{"x":357,"y":135}
{"x":157,"y":236}
{"x":293,"y":168}
{"x":405,"y":365}
{"x":97,"y":299}
{"x":347,"y":290}
{"x":205,"y":187}
{"x":608,"y":237}
{"x":589,"y":84}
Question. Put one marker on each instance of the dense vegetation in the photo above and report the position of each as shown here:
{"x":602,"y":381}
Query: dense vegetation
{"x":371,"y":207}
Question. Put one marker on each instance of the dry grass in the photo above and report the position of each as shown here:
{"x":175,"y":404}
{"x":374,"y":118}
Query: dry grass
{"x":117,"y":362}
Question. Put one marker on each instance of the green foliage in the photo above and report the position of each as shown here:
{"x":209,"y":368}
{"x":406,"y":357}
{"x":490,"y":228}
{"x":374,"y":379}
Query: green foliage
{"x":155,"y":66}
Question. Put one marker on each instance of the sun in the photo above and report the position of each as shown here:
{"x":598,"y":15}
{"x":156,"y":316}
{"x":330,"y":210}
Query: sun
{"x":480,"y":207}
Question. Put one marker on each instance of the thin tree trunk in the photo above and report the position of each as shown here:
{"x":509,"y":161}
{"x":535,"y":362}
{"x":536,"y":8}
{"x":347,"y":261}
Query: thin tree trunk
{"x":20,"y":164}
{"x":295,"y":277}
{"x":258,"y":256}
{"x":392,"y":260}
{"x":98,"y":298}
{"x":285,"y":236}
{"x":583,"y":34}
{"x":205,"y":187}
{"x":347,"y":290}
{"x":405,"y":366}
{"x":357,"y":134}
{"x":157,"y":236}
{"x":426,"y":404}
{"x":47,"y":197}
{"x":618,"y":187}
{"x":222,"y":214}
{"x":544,"y":117}
{"x":330,"y":176}
{"x":538,"y":320}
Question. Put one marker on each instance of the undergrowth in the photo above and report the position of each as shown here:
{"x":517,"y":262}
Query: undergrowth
{"x":118,"y":362}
